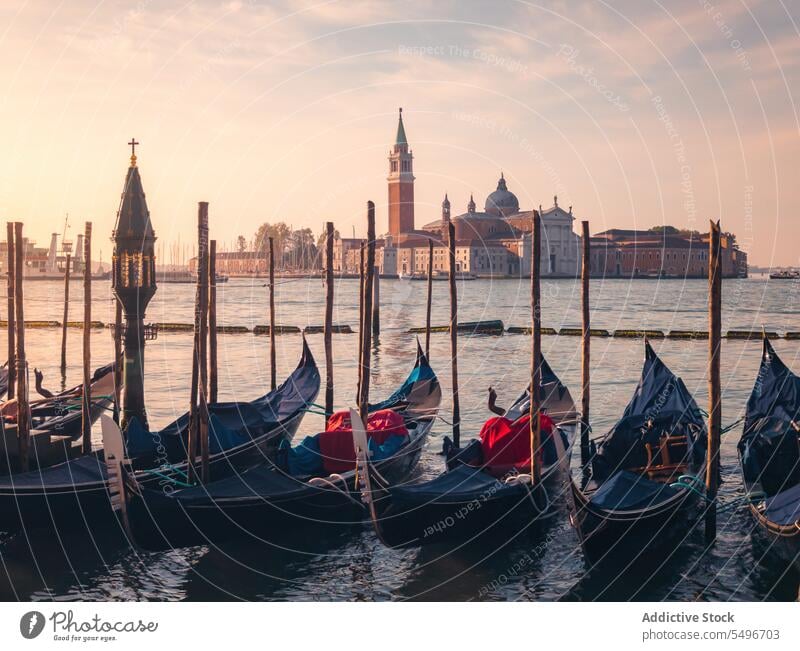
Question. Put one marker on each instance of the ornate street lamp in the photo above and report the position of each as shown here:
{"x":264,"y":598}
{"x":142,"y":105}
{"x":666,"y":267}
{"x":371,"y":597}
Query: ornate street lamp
{"x":134,"y":284}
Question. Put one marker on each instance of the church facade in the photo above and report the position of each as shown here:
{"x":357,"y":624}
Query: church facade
{"x":494,"y":242}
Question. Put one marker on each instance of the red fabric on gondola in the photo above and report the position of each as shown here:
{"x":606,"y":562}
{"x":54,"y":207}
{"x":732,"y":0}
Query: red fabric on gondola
{"x":336,"y":442}
{"x":506,"y":444}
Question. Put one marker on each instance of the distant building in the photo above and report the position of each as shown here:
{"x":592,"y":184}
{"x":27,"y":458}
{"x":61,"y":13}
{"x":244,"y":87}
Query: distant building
{"x":495,"y":242}
{"x":626,"y":253}
{"x":41,"y":262}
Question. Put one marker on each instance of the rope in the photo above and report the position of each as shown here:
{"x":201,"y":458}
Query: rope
{"x":323,"y":481}
{"x":690,"y":482}
{"x":168,"y":478}
{"x":727,"y":429}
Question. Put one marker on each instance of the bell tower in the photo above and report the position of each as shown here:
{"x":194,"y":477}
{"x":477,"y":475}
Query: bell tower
{"x":401,"y":184}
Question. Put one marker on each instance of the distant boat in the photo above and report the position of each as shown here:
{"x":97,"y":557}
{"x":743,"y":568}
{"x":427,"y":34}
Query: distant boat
{"x":443,"y":275}
{"x":787,"y":274}
{"x":183,"y":276}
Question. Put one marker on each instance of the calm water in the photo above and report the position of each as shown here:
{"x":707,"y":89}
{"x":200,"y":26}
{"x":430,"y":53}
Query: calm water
{"x":96,"y":565}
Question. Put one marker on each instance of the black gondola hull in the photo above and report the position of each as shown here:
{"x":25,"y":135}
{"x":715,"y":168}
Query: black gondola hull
{"x":782,"y":542}
{"x":623,"y":537}
{"x":81,"y":503}
{"x":456,"y":522}
{"x":162,"y":522}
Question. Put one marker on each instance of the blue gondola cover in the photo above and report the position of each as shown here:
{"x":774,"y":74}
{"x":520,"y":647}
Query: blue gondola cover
{"x":769,"y":447}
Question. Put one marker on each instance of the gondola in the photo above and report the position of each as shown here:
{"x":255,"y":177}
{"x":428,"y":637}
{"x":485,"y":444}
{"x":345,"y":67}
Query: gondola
{"x":475,"y":495}
{"x":241,"y":435}
{"x":769,"y":453}
{"x":641,"y":489}
{"x":61,"y":415}
{"x":310,"y":486}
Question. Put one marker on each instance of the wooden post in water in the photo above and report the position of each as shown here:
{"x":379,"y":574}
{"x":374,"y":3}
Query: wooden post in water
{"x":428,"y":306}
{"x":536,"y":348}
{"x":451,"y":247}
{"x":328,"y":320}
{"x":66,"y":316}
{"x":213,"y":381}
{"x":361,"y":283}
{"x":369,"y":270}
{"x":376,"y":302}
{"x":21,"y":364}
{"x":273,"y":378}
{"x":202,"y":361}
{"x":11,"y":288}
{"x":86,"y":393}
{"x":714,"y":384}
{"x":585,"y":356}
{"x":198,"y":344}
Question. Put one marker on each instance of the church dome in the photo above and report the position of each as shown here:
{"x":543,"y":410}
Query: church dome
{"x":501,"y":202}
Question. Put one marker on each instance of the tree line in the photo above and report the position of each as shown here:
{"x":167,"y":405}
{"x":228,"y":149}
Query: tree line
{"x":296,"y":249}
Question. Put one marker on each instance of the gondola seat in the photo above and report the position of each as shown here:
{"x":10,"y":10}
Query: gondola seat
{"x":506,"y":444}
{"x":784,"y":508}
{"x":629,"y":491}
{"x":667,"y":459}
{"x":332,"y":451}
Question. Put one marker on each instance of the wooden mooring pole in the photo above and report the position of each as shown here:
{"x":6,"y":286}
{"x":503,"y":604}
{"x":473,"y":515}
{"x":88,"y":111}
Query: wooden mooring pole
{"x":213,"y":381}
{"x":586,"y":344}
{"x":536,"y":349}
{"x":366,"y":344}
{"x":430,"y":298}
{"x":21,"y":365}
{"x":11,"y":288}
{"x":198,"y":346}
{"x":66,"y":317}
{"x":202,"y":361}
{"x":328,"y":320}
{"x":376,"y":302}
{"x":86,"y":393}
{"x":273,"y":373}
{"x":451,"y":247}
{"x":361,"y":282}
{"x":714,"y":381}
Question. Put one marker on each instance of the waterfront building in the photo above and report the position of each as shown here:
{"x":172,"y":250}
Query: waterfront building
{"x":626,"y":253}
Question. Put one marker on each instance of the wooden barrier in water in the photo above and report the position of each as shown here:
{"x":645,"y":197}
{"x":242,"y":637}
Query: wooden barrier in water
{"x":335,"y":329}
{"x":526,"y":330}
{"x":232,"y":330}
{"x":94,"y":325}
{"x":649,"y":334}
{"x":578,"y":332}
{"x":495,"y":327}
{"x":279,"y":330}
{"x":757,"y":335}
{"x":687,"y":334}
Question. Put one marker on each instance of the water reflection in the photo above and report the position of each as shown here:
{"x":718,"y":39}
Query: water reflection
{"x":351,"y":564}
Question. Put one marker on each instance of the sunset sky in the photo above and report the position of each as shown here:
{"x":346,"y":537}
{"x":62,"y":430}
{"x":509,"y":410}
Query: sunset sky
{"x":635,"y":113}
